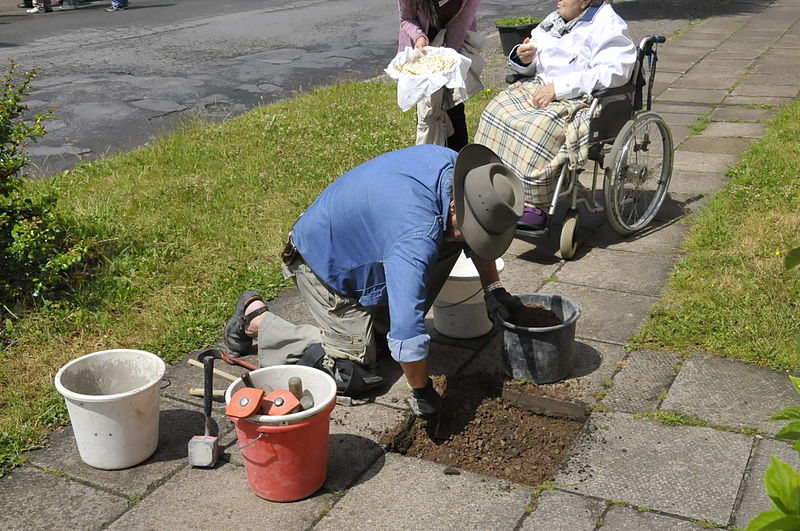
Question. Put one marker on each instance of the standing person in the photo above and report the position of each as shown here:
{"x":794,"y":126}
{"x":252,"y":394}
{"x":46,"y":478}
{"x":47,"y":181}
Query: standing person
{"x":450,"y":23}
{"x":41,"y":6}
{"x":579,"y":48}
{"x":371,"y":254}
{"x":117,"y":5}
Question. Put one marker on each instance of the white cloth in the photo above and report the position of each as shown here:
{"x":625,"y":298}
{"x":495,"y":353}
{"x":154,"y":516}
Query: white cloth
{"x":433,"y":124}
{"x":413,"y":88}
{"x":595,"y":55}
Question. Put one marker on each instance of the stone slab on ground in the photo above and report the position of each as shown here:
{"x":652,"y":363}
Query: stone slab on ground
{"x":703,"y":162}
{"x":628,"y":519}
{"x":754,"y":495}
{"x":440,"y":501}
{"x":212,"y":499}
{"x":748,"y":114}
{"x":659,"y":237}
{"x":178,"y":423}
{"x":645,"y":274}
{"x":730,"y":393}
{"x":644,"y":463}
{"x":734,"y":129}
{"x":32,"y":499}
{"x":711,"y":144}
{"x":639,"y":384}
{"x":556,"y":510}
{"x":688,"y":182}
{"x":596,"y":321}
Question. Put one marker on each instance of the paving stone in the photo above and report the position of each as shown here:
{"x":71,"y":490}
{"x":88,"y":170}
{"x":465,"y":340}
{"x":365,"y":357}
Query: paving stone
{"x":702,"y":162}
{"x":596,"y":322}
{"x":638,"y":385}
{"x":679,"y":133}
{"x":560,"y":511}
{"x":730,"y":393}
{"x":757,"y":100}
{"x":694,"y":95}
{"x":675,"y":118}
{"x":178,"y":423}
{"x":32,"y":499}
{"x":734,"y":129}
{"x":197,"y":498}
{"x":627,"y":519}
{"x":754,"y":495}
{"x":645,"y":274}
{"x":647,"y":464}
{"x":685,"y":182}
{"x":440,"y":501}
{"x":735,"y":113}
{"x":718,"y":145}
{"x":659,"y":237}
{"x":783,"y":91}
{"x":697,"y":109}
{"x":706,"y":81}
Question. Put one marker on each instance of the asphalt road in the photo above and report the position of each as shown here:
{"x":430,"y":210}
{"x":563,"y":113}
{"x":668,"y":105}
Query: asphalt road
{"x":119,"y":79}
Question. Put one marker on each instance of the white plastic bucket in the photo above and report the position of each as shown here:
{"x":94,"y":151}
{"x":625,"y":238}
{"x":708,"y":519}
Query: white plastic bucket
{"x":459,"y":310}
{"x":113,"y":401}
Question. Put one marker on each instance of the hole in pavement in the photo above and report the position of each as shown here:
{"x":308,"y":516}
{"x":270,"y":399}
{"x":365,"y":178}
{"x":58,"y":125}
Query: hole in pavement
{"x":495,"y":427}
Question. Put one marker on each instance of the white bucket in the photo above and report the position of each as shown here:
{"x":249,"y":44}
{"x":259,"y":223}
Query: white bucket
{"x":113,"y":401}
{"x":459,"y":310}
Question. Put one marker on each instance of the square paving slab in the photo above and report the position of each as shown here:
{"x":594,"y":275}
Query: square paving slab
{"x":638,"y":385}
{"x":730,"y":393}
{"x":415,"y":494}
{"x":557,"y":511}
{"x":666,"y":468}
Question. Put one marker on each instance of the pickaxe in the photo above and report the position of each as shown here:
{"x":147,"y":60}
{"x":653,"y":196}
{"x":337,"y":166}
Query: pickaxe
{"x":219,"y":354}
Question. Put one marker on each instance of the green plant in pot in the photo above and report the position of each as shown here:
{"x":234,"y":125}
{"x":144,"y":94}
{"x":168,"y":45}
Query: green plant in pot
{"x":513,"y":30}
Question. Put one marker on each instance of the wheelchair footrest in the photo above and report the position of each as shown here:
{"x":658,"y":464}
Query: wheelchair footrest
{"x":525,"y":233}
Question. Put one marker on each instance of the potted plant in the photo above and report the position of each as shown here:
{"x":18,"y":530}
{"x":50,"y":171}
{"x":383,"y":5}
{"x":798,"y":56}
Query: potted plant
{"x":513,"y":30}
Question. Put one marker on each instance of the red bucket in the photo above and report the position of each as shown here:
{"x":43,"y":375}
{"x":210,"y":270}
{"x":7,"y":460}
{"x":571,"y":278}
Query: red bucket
{"x":286,"y":457}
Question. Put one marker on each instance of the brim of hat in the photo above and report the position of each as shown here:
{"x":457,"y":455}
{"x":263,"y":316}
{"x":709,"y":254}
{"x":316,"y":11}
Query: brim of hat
{"x":482,"y":244}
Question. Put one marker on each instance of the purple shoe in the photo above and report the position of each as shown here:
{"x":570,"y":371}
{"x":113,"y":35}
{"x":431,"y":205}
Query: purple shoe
{"x":533,"y":218}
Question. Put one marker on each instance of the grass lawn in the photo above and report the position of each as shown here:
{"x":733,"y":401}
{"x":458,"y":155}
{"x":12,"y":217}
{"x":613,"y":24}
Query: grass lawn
{"x":731,"y":295}
{"x":180,"y":227}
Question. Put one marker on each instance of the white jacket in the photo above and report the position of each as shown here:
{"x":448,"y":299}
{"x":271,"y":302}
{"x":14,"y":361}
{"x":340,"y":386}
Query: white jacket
{"x":595,"y":55}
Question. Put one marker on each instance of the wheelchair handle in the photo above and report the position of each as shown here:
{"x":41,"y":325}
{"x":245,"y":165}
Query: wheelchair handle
{"x":646,"y":44}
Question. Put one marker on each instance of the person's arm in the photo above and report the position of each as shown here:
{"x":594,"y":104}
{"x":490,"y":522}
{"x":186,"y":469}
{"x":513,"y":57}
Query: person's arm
{"x":410,"y":25}
{"x":500,"y":304}
{"x":610,"y":65}
{"x":457,"y":26}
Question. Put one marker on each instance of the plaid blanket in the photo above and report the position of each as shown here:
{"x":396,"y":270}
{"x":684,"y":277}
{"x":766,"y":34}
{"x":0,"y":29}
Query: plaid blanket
{"x":535,"y":142}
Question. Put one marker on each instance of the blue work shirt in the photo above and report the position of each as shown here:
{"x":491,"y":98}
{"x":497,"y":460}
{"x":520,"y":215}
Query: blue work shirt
{"x":374,"y":235}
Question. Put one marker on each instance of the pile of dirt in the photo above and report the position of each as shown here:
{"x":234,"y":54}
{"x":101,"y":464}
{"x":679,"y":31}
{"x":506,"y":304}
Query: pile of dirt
{"x":535,"y":316}
{"x":481,"y":432}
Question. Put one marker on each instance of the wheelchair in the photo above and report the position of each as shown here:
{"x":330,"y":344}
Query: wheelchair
{"x":632,"y":145}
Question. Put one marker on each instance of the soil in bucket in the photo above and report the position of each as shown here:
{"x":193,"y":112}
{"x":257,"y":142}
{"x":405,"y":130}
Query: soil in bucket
{"x":286,"y":457}
{"x":481,"y":432}
{"x":536,"y":316}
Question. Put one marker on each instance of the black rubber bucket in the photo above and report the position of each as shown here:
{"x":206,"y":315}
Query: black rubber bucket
{"x":542,"y":355}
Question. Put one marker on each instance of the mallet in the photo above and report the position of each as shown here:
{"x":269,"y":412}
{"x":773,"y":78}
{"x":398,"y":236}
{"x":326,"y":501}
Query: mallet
{"x":203,"y":449}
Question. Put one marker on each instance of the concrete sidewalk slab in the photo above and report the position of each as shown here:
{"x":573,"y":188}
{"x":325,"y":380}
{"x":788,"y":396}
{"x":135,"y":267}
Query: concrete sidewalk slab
{"x":754,"y":495}
{"x":557,"y":510}
{"x":644,"y":274}
{"x":685,"y":182}
{"x":596,"y":322}
{"x":743,"y":113}
{"x":626,"y":519}
{"x":27,"y":502}
{"x":639,"y":384}
{"x":734,"y":129}
{"x":646,"y":464}
{"x":703,"y":162}
{"x":738,"y":399}
{"x":660,"y":237}
{"x":716,"y":145}
{"x":441,"y":497}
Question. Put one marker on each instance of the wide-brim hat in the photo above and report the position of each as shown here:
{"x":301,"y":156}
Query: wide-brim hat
{"x":489,"y":200}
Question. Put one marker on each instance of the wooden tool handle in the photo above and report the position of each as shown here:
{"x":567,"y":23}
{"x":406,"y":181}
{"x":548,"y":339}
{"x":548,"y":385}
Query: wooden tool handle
{"x":197,"y":391}
{"x":218,"y":372}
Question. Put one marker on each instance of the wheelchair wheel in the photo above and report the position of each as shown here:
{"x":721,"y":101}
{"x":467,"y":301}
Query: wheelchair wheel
{"x":637,"y":177}
{"x":569,"y":242}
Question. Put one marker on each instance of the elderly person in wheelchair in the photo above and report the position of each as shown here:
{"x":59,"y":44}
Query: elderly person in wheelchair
{"x":542,"y":122}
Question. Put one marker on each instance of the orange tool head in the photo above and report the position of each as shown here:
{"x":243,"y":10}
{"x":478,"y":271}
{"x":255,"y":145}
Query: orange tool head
{"x":245,"y":402}
{"x":280,"y":402}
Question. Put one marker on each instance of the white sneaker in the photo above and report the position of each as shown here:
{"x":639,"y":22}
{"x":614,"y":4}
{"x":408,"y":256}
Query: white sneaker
{"x":39,"y":9}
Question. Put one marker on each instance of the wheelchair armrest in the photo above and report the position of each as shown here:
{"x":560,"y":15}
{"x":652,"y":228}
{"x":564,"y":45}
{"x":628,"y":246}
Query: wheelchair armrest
{"x":627,"y":88}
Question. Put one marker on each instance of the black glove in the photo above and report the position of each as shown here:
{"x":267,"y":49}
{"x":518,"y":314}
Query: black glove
{"x":500,"y":304}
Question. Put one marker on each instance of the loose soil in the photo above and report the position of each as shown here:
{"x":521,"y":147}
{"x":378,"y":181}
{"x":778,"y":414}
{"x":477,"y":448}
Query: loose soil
{"x":481,"y":432}
{"x":535,"y":316}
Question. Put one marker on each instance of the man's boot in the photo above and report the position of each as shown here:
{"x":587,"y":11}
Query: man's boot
{"x":25,"y":4}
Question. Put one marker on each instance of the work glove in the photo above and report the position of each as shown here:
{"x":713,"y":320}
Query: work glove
{"x":501,"y":305}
